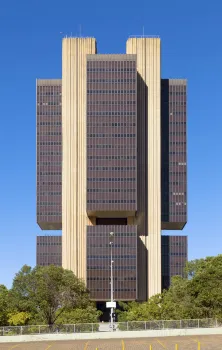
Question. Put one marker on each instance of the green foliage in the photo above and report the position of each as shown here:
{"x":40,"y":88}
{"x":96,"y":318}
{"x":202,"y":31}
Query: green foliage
{"x":142,"y":311}
{"x":51,"y":295}
{"x":47,"y":292}
{"x":19,"y":318}
{"x":177,"y":302}
{"x":3,"y":306}
{"x":197,"y":296}
{"x":205,"y":286}
{"x":79,"y":315}
{"x":42,"y":295}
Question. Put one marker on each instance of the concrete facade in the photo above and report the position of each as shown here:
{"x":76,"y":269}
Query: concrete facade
{"x":74,"y":215}
{"x":148,"y":52}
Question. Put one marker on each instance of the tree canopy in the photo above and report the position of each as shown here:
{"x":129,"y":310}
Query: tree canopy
{"x":48,"y":295}
{"x":3,"y":305}
{"x":199,"y":295}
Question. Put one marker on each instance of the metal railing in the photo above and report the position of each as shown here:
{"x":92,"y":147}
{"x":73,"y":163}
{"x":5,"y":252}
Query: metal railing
{"x":47,"y":329}
{"x":103,"y":327}
{"x":169,"y":324}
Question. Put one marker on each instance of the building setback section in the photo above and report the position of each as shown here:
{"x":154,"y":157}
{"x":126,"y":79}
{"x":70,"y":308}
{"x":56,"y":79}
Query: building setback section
{"x":174,"y":153}
{"x":174,"y":253}
{"x":49,"y":250}
{"x":124,"y":253}
{"x":49,"y":153}
{"x":111,"y":135}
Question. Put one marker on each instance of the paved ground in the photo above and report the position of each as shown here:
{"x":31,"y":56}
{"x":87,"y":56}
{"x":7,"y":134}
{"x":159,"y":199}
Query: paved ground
{"x":169,"y":343}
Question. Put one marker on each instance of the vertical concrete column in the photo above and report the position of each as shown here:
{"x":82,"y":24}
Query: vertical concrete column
{"x":74,"y":94}
{"x":148,"y":67}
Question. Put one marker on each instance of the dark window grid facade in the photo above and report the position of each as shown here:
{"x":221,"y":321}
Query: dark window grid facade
{"x":111,"y":133}
{"x":113,"y":103}
{"x":174,"y":258}
{"x":173,"y":250}
{"x":124,"y":266}
{"x":113,"y":81}
{"x":109,"y":146}
{"x":49,"y":250}
{"x":109,"y":69}
{"x":121,"y":158}
{"x":112,"y":190}
{"x":114,"y":91}
{"x":122,"y":108}
{"x":174,"y":160}
{"x":98,"y":126}
{"x":177,"y":110}
{"x":49,"y":156}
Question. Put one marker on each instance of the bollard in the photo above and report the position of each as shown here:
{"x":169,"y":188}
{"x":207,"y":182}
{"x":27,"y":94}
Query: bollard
{"x":176,"y":347}
{"x":198,"y":346}
{"x":150,"y":347}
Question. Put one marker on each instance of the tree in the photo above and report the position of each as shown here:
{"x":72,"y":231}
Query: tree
{"x":135,"y":311}
{"x":205,"y":286}
{"x":79,"y":315}
{"x":195,"y":266}
{"x":176,"y":301}
{"x":47,"y":292}
{"x":3,"y":305}
{"x":199,"y":295}
{"x":19,"y":318}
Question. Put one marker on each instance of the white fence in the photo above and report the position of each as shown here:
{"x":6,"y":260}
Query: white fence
{"x":118,"y":326}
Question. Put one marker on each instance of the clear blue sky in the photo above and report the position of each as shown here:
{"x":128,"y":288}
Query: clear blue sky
{"x":30,"y":48}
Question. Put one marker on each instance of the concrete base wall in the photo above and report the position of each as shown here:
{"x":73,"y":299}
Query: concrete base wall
{"x":110,"y":335}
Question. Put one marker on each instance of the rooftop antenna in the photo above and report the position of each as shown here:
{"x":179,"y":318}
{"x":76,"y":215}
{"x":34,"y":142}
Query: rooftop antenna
{"x":143,"y":31}
{"x":63,"y":34}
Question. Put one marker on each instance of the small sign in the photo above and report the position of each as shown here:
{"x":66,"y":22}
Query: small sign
{"x":110,"y":304}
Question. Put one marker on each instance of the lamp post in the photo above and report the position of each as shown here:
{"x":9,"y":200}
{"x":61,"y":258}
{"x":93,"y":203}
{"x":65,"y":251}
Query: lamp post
{"x":111,"y":275}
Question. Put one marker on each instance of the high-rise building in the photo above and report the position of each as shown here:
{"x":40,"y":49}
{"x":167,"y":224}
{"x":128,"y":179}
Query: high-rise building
{"x":49,"y":250}
{"x":118,"y":163}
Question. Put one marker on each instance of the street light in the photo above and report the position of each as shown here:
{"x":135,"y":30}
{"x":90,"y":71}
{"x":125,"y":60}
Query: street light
{"x":111,"y":275}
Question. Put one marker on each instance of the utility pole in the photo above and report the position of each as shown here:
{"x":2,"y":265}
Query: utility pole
{"x":111,"y":276}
